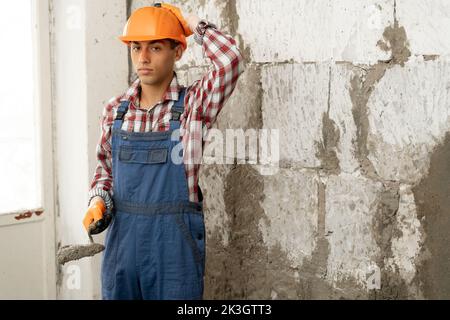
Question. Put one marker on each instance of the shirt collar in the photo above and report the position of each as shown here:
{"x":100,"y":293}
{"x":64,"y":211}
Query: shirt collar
{"x":133,"y":92}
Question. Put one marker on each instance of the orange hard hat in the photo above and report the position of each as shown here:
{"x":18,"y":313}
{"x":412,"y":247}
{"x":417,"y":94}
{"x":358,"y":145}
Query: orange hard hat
{"x":161,"y":21}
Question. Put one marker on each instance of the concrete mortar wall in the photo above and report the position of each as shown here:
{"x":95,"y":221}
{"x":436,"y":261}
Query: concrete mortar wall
{"x":360,"y":92}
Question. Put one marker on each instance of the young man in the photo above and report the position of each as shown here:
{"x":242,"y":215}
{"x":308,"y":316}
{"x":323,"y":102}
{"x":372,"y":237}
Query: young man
{"x":155,"y":245}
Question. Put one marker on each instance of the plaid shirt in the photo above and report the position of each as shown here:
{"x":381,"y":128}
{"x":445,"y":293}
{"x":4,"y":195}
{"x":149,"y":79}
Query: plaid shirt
{"x":204,"y":100}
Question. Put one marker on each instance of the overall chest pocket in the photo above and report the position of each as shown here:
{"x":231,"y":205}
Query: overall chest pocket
{"x":143,"y":156}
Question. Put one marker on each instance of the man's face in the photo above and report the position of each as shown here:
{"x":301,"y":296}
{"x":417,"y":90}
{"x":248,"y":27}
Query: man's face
{"x":154,"y":61}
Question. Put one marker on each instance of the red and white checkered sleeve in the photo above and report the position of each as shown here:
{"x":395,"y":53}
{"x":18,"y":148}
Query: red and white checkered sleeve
{"x":207,"y":96}
{"x":101,"y":184}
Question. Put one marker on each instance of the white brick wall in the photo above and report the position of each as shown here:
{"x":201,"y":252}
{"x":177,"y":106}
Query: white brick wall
{"x":408,"y":117}
{"x":426,"y":24}
{"x":345,"y":30}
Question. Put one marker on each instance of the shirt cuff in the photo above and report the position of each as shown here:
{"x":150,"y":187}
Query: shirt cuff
{"x":199,"y":32}
{"x":98,"y":192}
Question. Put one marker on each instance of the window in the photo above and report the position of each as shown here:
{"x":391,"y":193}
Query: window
{"x":19,"y":188}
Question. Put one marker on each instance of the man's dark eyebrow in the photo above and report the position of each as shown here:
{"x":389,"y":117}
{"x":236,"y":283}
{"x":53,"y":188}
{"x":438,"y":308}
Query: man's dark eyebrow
{"x":151,"y":42}
{"x":157,"y":41}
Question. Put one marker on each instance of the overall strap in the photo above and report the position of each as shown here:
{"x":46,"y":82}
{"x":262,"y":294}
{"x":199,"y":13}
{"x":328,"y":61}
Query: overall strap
{"x":121,"y":111}
{"x":178,"y":106}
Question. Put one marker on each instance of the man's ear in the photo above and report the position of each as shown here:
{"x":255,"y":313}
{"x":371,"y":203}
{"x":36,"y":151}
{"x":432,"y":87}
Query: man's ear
{"x":178,"y":52}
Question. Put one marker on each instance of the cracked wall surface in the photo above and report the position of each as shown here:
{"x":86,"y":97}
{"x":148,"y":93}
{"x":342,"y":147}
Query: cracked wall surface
{"x":359,"y":208}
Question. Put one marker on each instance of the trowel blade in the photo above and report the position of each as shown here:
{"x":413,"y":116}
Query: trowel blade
{"x":76,"y":252}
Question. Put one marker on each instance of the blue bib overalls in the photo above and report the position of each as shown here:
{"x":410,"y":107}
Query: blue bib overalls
{"x":155,"y":245}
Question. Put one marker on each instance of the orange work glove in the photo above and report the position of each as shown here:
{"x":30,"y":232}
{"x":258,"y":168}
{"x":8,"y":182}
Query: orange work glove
{"x":96,"y":220}
{"x":177,"y":12}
